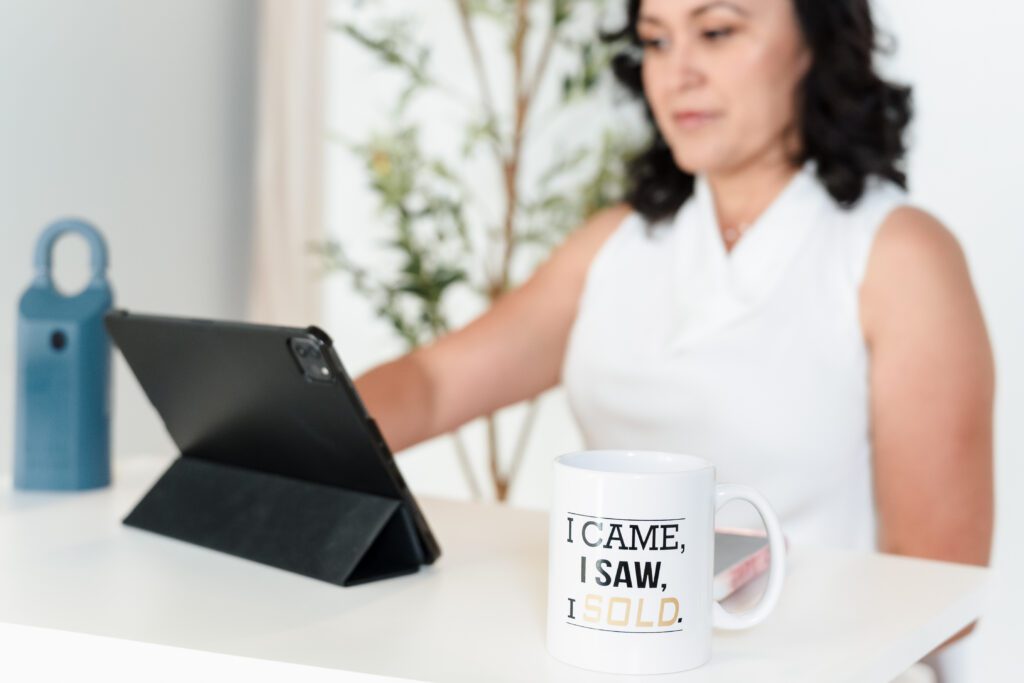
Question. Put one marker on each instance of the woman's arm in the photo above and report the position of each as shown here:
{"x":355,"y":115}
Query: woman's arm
{"x":509,"y":354}
{"x":932,"y":385}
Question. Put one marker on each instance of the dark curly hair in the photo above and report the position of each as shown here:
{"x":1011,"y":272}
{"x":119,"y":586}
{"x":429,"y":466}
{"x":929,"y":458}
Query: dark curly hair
{"x":851,"y":120}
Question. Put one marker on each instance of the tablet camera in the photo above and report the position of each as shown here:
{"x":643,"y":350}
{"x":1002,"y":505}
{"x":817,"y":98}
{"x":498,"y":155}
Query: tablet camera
{"x":310,"y":359}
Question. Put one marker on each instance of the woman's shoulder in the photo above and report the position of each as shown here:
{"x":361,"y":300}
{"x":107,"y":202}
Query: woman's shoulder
{"x":915,"y":262}
{"x":912,"y":226}
{"x":910,"y":237}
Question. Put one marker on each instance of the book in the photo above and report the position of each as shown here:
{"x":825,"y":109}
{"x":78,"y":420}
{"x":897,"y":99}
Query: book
{"x":741,"y":555}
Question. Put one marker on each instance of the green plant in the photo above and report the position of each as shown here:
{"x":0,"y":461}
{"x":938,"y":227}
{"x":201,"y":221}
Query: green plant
{"x":431,"y":204}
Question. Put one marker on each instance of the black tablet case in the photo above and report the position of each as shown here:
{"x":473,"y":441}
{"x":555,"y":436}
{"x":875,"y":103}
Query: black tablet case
{"x":251,"y":480}
{"x":332,"y":534}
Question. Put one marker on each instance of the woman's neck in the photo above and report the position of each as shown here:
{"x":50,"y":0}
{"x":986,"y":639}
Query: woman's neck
{"x":742,"y":194}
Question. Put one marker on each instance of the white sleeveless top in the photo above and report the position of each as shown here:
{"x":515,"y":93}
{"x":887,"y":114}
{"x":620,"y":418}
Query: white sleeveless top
{"x":753,"y":359}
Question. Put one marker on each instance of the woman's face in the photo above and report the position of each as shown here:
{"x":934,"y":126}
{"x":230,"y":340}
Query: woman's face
{"x":721,"y":78}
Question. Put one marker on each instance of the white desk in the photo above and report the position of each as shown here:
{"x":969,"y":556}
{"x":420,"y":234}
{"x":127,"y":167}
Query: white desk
{"x":477,"y":614}
{"x":33,"y":654}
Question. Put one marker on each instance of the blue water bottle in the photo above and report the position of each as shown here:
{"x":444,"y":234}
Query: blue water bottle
{"x":62,"y":429}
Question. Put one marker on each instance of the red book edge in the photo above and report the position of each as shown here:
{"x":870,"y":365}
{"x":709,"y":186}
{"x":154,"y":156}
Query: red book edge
{"x":729,"y":580}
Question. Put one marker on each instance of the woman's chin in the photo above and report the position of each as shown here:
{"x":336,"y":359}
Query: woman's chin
{"x":697,"y":161}
{"x":700,"y":162}
{"x":691,"y":165}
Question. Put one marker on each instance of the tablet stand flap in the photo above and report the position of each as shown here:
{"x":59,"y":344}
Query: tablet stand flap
{"x":337,"y":535}
{"x":390,"y":554}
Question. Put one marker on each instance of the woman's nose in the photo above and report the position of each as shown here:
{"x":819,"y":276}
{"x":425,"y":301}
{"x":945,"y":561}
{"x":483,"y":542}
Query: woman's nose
{"x":684,"y":65}
{"x":686,"y":76}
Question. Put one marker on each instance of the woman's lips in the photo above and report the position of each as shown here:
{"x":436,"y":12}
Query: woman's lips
{"x":690,"y":119}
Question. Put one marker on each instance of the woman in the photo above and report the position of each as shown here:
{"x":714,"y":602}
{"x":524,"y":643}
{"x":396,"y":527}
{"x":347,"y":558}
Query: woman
{"x":765,"y":298}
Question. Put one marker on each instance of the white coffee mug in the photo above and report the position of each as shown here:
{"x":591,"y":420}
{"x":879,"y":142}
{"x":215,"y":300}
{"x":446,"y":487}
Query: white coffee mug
{"x":631,"y":557}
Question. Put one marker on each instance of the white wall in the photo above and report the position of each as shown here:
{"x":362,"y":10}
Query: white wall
{"x":138,"y":117}
{"x":967,"y":147}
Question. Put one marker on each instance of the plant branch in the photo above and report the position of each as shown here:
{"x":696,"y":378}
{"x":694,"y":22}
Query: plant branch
{"x":492,"y":450}
{"x":542,"y":63}
{"x":510,"y":168}
{"x":522,"y":441}
{"x":462,"y":454}
{"x":479,"y":69}
{"x":385,"y":50}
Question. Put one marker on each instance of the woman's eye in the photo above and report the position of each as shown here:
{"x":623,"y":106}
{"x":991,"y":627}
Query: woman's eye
{"x":717,"y":33}
{"x":652,"y":43}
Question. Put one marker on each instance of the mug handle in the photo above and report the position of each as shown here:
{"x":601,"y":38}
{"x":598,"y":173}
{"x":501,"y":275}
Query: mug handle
{"x":725,"y":619}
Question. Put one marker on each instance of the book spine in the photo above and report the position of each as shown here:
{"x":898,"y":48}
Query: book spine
{"x":730,"y":580}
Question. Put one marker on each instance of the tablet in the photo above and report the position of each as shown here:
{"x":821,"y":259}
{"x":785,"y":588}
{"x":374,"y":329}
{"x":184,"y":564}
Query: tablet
{"x":268,"y":399}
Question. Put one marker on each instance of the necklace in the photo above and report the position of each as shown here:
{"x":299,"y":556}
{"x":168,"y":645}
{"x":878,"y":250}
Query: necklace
{"x":732,"y":234}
